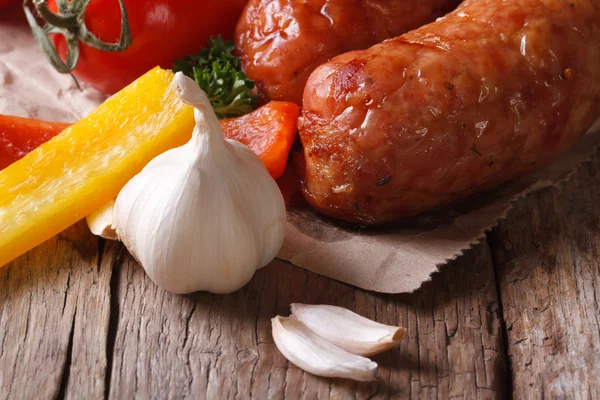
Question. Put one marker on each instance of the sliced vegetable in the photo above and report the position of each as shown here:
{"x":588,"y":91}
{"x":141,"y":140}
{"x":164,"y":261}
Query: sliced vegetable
{"x":76,"y":172}
{"x":18,"y":136}
{"x":217,"y":71}
{"x":269,"y":131}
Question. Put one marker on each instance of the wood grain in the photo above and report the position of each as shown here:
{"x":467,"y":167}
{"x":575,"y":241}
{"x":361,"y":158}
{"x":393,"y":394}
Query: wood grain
{"x":170,"y":346}
{"x":548,"y":266}
{"x":54,"y":310}
{"x":206,"y":346}
{"x":80,"y":319}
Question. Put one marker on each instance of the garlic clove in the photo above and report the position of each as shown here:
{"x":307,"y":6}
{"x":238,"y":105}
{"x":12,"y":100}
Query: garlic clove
{"x":303,"y":348}
{"x":348,"y":330}
{"x":100,"y":221}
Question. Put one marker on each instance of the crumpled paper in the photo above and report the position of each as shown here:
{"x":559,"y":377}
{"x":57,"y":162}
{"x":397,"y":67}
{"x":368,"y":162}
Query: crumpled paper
{"x":394,"y":259}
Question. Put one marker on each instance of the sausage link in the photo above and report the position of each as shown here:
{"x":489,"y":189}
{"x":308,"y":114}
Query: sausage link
{"x":280,"y":42}
{"x":488,"y":93}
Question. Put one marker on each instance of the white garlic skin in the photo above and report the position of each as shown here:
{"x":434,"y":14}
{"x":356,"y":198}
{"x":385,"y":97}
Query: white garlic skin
{"x":310,"y":352}
{"x":348,"y":330}
{"x":203,"y":216}
{"x":100,"y":221}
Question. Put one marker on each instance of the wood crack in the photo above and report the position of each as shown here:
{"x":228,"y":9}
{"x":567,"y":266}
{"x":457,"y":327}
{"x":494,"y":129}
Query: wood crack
{"x":101,"y":246}
{"x":508,"y":370}
{"x":66,"y":292}
{"x":113,"y":322}
{"x":187,"y":325}
{"x":66,"y":370}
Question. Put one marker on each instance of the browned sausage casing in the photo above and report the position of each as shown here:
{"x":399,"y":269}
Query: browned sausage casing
{"x":492,"y":91}
{"x":280,"y":42}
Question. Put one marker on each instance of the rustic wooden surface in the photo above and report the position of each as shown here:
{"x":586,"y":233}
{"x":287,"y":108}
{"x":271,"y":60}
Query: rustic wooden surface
{"x":517,"y":316}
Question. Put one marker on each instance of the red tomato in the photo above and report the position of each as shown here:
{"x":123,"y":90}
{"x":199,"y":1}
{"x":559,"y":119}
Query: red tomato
{"x":162,"y":31}
{"x":4,"y":3}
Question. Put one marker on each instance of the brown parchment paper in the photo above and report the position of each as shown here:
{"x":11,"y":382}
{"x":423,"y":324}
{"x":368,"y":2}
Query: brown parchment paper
{"x":400,"y":258}
{"x":395,"y":259}
{"x":29,"y":86}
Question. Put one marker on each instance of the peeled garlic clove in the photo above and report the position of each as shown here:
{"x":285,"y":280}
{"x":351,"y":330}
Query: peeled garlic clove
{"x":100,"y":221}
{"x":345,"y":329}
{"x":312,"y":353}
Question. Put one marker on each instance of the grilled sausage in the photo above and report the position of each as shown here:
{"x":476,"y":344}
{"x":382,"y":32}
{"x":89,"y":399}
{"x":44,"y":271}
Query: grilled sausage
{"x":280,"y":42}
{"x":488,"y":93}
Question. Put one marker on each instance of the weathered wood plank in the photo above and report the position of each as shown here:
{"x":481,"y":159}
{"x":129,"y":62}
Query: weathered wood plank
{"x":170,"y":346}
{"x":548,"y":267}
{"x":54,"y":326}
{"x":54,"y":309}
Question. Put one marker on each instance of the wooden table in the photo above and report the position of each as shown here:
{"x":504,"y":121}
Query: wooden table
{"x":516,"y":316}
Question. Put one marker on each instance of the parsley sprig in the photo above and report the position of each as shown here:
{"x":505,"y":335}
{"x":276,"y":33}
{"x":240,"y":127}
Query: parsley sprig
{"x":217,"y":71}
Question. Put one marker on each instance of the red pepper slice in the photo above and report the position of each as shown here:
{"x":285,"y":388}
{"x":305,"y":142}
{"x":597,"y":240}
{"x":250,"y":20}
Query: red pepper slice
{"x":18,"y":136}
{"x":269,"y":131}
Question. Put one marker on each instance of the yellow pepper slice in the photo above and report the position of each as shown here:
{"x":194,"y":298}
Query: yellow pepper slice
{"x":87,"y":164}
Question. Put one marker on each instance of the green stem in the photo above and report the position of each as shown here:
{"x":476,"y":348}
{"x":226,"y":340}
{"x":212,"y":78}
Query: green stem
{"x":70,"y":23}
{"x":58,"y":20}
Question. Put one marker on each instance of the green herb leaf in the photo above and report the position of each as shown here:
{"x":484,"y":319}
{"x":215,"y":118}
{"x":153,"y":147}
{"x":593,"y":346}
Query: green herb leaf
{"x":217,"y":71}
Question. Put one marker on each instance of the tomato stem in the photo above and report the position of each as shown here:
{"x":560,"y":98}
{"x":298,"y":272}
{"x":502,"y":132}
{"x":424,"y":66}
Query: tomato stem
{"x":70,"y":23}
{"x":59,"y":21}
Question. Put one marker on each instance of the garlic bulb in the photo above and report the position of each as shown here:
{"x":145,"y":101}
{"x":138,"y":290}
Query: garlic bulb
{"x":348,"y":330}
{"x":203,"y":216}
{"x":303,"y":348}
